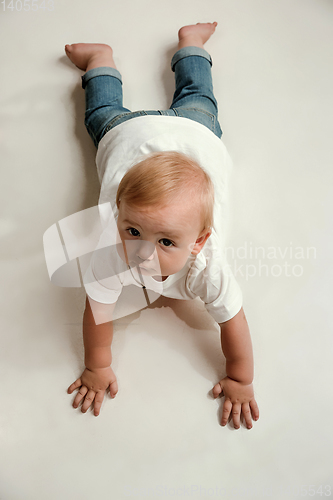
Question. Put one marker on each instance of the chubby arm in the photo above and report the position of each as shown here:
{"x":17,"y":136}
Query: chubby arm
{"x":97,"y":339}
{"x":237,"y":385}
{"x":98,"y":375}
{"x":237,"y":348}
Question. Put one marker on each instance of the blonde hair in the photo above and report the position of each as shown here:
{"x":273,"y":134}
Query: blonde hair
{"x":162,"y":177}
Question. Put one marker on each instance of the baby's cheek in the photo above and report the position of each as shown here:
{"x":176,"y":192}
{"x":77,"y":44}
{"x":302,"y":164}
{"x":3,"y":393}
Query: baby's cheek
{"x":163,"y":260}
{"x":179,"y":258}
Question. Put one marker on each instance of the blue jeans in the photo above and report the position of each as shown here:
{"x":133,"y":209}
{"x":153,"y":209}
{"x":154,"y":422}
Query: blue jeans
{"x":193,"y":97}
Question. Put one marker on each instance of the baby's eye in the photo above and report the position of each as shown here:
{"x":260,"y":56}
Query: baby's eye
{"x":133,"y":232}
{"x":165,"y":242}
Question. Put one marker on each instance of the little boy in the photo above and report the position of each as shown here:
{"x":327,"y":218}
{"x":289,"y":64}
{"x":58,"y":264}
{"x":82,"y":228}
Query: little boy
{"x":165,"y":173}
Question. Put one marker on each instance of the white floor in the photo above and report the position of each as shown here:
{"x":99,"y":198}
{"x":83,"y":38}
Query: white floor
{"x":161,"y":436}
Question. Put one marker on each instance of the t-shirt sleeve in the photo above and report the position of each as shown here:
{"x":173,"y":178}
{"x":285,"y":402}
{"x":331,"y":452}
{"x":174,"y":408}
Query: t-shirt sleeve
{"x":212,"y":280}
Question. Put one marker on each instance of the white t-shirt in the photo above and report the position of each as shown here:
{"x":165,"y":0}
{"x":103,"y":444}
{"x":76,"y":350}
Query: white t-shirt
{"x":206,"y":275}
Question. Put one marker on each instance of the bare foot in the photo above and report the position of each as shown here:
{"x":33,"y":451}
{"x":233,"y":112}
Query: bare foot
{"x":195,"y":34}
{"x":87,"y":56}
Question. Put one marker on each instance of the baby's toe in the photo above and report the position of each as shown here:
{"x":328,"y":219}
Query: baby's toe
{"x":68,"y":50}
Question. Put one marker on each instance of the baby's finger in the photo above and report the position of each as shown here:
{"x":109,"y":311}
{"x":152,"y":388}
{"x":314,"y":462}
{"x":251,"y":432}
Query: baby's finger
{"x":217,"y":389}
{"x":113,"y":387}
{"x":88,"y":400}
{"x":236,"y":412}
{"x":247,"y":415}
{"x":80,"y":395}
{"x":98,"y":402}
{"x":226,"y":411}
{"x":254,"y":409}
{"x":74,"y":386}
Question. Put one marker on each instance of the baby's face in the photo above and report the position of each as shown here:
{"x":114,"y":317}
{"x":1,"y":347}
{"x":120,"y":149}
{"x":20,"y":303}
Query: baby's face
{"x":166,"y":236}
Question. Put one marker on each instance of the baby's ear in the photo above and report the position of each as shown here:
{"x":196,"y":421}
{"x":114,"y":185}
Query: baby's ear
{"x":200,"y":242}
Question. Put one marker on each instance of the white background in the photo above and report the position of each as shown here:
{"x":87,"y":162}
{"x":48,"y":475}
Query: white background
{"x":160,"y":437}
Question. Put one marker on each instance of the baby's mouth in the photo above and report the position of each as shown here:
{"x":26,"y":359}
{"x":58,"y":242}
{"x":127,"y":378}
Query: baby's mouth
{"x":141,"y":265}
{"x":146,"y":268}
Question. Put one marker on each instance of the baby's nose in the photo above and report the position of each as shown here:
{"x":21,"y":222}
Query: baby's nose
{"x":145,"y":250}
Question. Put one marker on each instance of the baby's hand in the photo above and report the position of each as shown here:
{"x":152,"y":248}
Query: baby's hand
{"x":239,"y":398}
{"x":92,"y":385}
